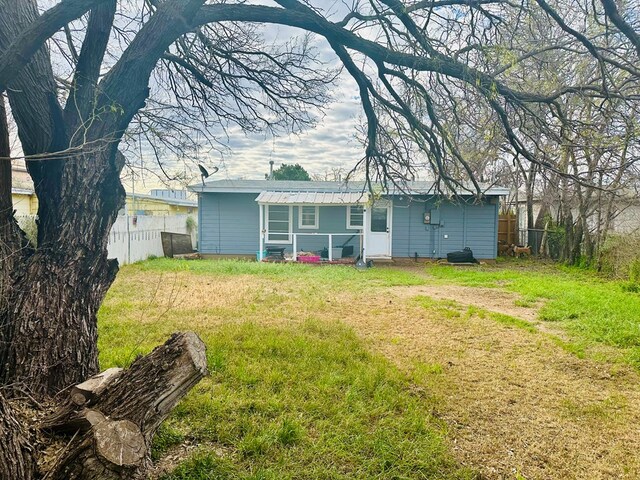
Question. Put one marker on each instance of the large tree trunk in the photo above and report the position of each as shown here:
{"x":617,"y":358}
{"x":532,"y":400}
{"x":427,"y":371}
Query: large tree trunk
{"x":51,"y":328}
{"x":51,"y":333}
{"x":17,"y":460}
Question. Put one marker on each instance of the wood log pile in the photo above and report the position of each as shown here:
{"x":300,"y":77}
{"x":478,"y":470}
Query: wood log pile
{"x":110,"y":419}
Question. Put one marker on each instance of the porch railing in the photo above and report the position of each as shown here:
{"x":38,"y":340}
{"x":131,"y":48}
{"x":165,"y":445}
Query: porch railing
{"x":358,"y":234}
{"x":314,"y":234}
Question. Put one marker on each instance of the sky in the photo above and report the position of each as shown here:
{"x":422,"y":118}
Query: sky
{"x":331,"y":144}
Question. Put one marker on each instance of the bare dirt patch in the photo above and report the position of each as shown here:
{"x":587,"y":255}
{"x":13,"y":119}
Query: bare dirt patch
{"x":490,"y":299}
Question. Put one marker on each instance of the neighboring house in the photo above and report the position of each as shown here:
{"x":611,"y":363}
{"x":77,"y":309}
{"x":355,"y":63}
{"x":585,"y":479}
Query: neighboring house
{"x":242,"y":217}
{"x":23,"y":197}
{"x":160,"y":202}
{"x":24,"y":201}
{"x":157,"y":202}
{"x":626,"y":214}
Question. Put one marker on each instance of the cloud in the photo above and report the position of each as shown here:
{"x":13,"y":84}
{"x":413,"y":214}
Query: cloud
{"x":330,"y":144}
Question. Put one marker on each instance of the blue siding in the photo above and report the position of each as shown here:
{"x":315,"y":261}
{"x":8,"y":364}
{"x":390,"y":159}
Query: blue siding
{"x":455,"y":226}
{"x":409,"y":234}
{"x":482,"y":229}
{"x":333,"y":219}
{"x":229,"y":223}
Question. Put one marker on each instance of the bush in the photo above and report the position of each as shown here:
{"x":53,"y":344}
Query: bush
{"x":30,"y":228}
{"x":620,"y":257}
{"x":192,"y":225}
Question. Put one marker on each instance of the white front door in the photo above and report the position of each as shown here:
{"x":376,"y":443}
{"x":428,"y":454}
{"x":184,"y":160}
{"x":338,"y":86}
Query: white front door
{"x":379,"y":230}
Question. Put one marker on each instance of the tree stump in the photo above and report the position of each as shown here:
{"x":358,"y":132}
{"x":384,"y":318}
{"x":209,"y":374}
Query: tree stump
{"x":115,"y":414}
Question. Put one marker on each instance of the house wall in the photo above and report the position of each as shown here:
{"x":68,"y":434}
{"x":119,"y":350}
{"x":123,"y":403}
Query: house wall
{"x":24,"y":204}
{"x":147,"y":206}
{"x":453,"y":227}
{"x":333,"y":219}
{"x":229,"y":223}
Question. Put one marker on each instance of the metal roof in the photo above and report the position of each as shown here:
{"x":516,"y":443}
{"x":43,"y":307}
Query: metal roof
{"x":259,"y":186}
{"x":168,"y":201}
{"x":315,"y":198}
{"x":21,"y":191}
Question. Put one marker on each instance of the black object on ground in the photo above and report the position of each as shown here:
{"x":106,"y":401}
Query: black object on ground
{"x":275,"y":254}
{"x":462,"y":256}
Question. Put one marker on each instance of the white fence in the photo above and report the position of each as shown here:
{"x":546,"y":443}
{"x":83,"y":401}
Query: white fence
{"x":135,"y":238}
{"x":132,"y":238}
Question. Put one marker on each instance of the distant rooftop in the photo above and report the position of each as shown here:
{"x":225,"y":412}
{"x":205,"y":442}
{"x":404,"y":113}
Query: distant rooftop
{"x":258,"y":186}
{"x":168,"y":200}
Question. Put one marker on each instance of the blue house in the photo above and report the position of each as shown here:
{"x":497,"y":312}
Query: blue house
{"x":243,"y":217}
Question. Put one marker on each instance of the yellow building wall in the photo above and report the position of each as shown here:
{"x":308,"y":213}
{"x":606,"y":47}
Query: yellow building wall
{"x":148,"y":206}
{"x":24,"y":204}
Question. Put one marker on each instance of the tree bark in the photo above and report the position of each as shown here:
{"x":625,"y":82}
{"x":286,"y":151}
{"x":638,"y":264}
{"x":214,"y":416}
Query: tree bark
{"x":16,"y":455}
{"x":51,"y":329}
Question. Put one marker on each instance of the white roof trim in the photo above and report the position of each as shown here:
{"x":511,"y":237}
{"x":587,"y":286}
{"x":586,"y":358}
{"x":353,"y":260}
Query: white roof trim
{"x":312,"y":198}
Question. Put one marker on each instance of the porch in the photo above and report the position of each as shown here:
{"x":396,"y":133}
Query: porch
{"x":313,"y":224}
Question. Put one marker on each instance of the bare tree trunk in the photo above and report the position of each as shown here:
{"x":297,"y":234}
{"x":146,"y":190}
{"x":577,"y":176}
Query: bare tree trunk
{"x":13,"y":246}
{"x":16,"y":456}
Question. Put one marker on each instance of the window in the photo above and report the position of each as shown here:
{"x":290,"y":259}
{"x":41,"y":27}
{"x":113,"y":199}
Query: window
{"x":308,"y":216}
{"x":278,"y":224}
{"x":379,"y":219}
{"x":355,"y":216}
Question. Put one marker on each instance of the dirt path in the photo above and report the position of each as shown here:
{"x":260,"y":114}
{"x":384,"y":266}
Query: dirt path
{"x":515,"y":401}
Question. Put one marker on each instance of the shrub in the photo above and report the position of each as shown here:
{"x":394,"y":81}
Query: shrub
{"x":619,"y":257}
{"x":191,"y":224}
{"x":29,"y":226}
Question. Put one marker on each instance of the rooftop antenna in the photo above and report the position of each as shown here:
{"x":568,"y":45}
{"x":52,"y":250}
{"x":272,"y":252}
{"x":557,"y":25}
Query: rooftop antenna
{"x":205,"y":174}
{"x":271,"y":162}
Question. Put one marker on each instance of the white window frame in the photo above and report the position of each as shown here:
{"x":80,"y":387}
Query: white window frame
{"x":349,"y":225}
{"x":316,"y":217}
{"x":268,"y":233}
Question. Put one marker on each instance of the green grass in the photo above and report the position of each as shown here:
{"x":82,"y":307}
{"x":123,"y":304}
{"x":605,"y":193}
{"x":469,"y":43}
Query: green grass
{"x":449,"y":309}
{"x":300,"y":401}
{"x":335,"y":275}
{"x":593,"y":310}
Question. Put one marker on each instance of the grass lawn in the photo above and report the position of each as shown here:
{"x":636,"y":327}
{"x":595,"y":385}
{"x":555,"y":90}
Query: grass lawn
{"x":329,"y":373}
{"x":594,"y":311}
{"x":283,"y":401}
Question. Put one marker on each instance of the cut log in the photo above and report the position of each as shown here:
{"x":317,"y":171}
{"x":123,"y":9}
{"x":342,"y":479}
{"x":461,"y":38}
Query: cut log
{"x":70,"y":417}
{"x":110,"y":450}
{"x":92,"y":388}
{"x":121,"y":411}
{"x":16,"y":455}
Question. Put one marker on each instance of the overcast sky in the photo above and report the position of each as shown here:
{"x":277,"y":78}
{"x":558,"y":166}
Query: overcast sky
{"x":330,"y":144}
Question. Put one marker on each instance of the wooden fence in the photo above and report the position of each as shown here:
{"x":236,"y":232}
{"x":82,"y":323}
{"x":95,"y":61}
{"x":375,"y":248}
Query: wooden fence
{"x":508,"y":229}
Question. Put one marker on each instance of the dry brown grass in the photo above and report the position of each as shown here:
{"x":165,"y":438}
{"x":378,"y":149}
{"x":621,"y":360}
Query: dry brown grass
{"x":516,"y":402}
